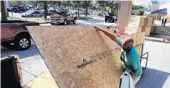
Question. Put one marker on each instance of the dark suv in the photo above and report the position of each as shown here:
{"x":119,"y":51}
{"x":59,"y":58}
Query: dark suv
{"x":15,"y":34}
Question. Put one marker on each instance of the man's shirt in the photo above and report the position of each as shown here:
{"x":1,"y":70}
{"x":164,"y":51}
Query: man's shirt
{"x":133,"y":59}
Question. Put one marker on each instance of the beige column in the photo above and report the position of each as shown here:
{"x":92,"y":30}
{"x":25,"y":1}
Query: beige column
{"x":124,"y":15}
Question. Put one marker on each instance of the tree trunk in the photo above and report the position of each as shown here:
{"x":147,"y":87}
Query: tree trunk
{"x":45,"y":9}
{"x":3,"y":11}
{"x":86,"y":6}
{"x":65,"y":5}
{"x":78,"y":11}
{"x":86,"y":10}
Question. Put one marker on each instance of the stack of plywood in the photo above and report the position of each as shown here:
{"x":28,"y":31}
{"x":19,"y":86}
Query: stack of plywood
{"x":148,"y":22}
{"x":140,"y":37}
{"x":79,"y":57}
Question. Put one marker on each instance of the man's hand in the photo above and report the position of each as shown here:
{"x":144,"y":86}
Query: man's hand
{"x":109,"y":34}
{"x":99,"y":29}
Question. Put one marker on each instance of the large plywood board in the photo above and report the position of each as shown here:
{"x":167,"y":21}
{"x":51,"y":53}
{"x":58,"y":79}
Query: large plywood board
{"x":133,"y":36}
{"x":79,"y":57}
{"x":147,"y":31}
{"x":140,"y":37}
{"x":143,"y":19}
{"x":139,"y":49}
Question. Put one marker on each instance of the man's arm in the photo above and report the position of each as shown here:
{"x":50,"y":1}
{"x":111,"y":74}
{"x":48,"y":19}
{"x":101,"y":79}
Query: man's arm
{"x":109,"y":34}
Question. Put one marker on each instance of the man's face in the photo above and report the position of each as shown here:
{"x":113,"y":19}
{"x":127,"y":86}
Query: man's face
{"x":127,"y":45}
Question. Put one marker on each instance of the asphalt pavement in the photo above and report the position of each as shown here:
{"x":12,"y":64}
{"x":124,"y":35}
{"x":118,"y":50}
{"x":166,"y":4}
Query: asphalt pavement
{"x":95,"y":20}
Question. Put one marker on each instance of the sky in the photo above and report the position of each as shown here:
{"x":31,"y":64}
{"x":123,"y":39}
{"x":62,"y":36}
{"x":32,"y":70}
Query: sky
{"x":145,"y":3}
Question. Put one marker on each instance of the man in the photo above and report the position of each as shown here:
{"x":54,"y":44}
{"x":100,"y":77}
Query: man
{"x":162,"y":22}
{"x":132,"y":65}
{"x":165,"y":22}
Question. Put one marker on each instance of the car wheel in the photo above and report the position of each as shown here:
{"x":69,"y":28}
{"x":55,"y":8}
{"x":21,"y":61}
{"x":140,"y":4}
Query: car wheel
{"x":22,"y":42}
{"x":65,"y":22}
{"x":52,"y":23}
{"x":74,"y":21}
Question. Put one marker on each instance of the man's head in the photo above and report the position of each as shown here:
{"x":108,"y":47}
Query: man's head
{"x":128,"y":44}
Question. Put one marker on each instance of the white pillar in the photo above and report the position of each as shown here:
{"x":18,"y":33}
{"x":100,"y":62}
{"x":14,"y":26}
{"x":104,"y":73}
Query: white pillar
{"x":7,"y":3}
{"x":124,"y":15}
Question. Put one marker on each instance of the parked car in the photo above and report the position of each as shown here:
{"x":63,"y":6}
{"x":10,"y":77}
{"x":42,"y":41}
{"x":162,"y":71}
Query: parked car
{"x":15,"y":34}
{"x":19,"y":9}
{"x":10,"y":8}
{"x":63,"y":18}
{"x":34,"y":13}
{"x":61,"y":11}
{"x":110,"y":18}
{"x":51,"y":12}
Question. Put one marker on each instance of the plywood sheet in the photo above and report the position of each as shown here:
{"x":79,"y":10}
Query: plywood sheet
{"x":78,"y":57}
{"x":133,"y":36}
{"x":147,"y":31}
{"x":142,"y":19}
{"x":140,"y":38}
{"x":139,"y":49}
{"x":131,"y":29}
{"x":139,"y":29}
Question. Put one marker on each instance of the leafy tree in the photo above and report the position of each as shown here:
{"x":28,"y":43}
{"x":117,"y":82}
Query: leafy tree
{"x":138,"y":10}
{"x":109,"y":6}
{"x":77,"y":5}
{"x":86,"y":5}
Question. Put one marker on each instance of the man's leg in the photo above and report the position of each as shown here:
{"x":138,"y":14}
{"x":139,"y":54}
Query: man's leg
{"x":162,"y":21}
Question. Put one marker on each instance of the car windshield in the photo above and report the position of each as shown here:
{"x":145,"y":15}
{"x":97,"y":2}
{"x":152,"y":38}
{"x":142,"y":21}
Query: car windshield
{"x":63,"y":12}
{"x":51,"y":11}
{"x":28,"y":12}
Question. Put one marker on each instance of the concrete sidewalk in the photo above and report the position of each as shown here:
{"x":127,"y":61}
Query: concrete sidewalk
{"x":157,"y":74}
{"x":31,"y":62}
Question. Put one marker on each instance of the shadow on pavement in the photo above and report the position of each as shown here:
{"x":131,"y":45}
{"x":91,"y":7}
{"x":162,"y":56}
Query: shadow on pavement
{"x":62,"y":24}
{"x":152,"y":78}
{"x":32,"y":51}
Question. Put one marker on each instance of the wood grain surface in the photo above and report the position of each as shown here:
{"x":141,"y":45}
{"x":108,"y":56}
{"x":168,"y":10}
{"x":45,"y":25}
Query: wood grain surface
{"x":63,"y":48}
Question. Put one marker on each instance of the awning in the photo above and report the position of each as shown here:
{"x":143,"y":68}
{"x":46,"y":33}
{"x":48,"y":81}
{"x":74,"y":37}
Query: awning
{"x":161,"y":11}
